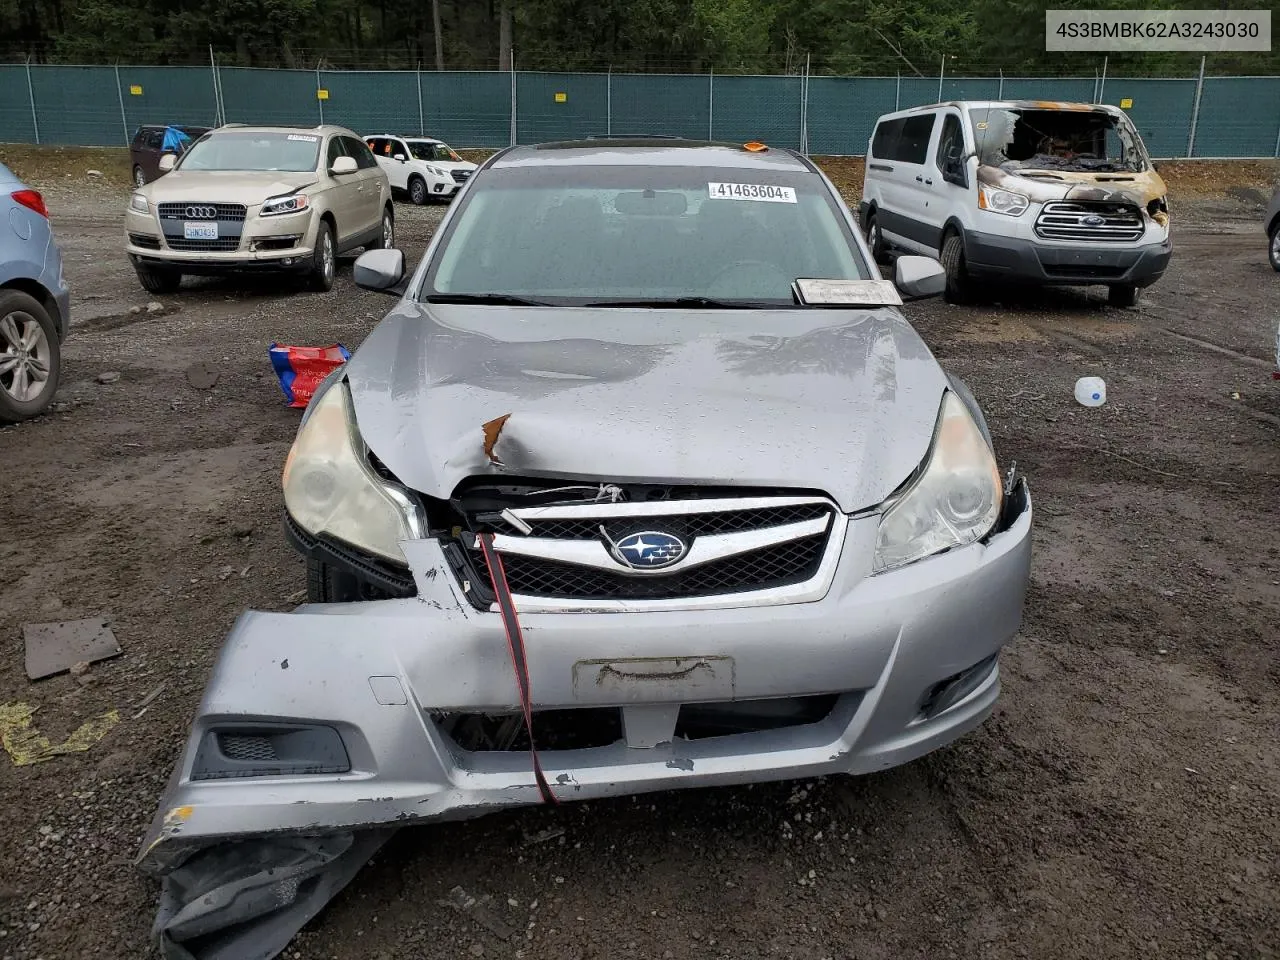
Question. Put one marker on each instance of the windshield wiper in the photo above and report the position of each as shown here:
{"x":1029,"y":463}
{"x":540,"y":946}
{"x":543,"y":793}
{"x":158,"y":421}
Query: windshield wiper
{"x":689,"y":303}
{"x":496,"y":299}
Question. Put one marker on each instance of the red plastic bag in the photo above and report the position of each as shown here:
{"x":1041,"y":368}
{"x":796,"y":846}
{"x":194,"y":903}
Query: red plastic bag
{"x":300,"y":369}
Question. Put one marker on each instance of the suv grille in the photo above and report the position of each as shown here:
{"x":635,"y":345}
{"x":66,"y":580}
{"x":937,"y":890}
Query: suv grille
{"x":460,"y":176}
{"x":196,"y":210}
{"x":1090,"y":222}
{"x":221,"y":245}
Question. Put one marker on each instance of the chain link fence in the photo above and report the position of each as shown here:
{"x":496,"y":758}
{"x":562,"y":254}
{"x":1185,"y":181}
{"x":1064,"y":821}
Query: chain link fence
{"x":1227,"y":117}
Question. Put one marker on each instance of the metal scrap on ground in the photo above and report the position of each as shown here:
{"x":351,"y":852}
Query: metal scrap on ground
{"x":56,"y":647}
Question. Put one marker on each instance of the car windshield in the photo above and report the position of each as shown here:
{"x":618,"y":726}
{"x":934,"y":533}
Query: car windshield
{"x":1079,"y":140}
{"x":244,"y":150}
{"x":603,"y":234}
{"x":423,"y":150}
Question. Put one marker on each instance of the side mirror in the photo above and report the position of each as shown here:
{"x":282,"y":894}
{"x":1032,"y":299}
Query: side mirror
{"x":381,"y":271}
{"x":401,"y":157}
{"x":167,"y":162}
{"x":918,"y":277}
{"x":343,"y":165}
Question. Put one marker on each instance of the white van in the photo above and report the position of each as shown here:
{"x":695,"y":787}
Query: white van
{"x":1032,"y":191}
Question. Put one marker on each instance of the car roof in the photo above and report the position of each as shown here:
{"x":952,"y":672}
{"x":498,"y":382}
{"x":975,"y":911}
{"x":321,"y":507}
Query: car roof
{"x":320,"y":130}
{"x":400,"y":136}
{"x":1011,"y":105}
{"x":651,"y":151}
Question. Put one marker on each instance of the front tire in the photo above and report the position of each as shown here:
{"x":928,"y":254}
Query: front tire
{"x":159,"y":280}
{"x":959,"y":286}
{"x":326,"y":584}
{"x":875,"y":240}
{"x":417,"y":191}
{"x":1273,"y":247}
{"x":1122,"y":295}
{"x":324,"y":262}
{"x":30,"y":357}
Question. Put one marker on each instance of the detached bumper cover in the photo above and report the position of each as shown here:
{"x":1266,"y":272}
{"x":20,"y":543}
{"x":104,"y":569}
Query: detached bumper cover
{"x":376,"y":672}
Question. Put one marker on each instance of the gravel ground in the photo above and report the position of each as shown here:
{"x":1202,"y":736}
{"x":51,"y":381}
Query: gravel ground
{"x":1122,"y":801}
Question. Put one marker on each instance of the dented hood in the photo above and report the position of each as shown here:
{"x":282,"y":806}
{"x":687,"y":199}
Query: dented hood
{"x":1054,"y":184}
{"x":840,"y":401}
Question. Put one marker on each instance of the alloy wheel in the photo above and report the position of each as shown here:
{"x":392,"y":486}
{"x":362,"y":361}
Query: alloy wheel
{"x":25,"y":356}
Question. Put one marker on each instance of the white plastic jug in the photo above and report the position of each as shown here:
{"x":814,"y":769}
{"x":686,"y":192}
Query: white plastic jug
{"x":1091,"y":391}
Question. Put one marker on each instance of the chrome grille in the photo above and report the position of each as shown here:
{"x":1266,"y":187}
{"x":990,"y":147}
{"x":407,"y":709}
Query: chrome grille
{"x":201,"y":210}
{"x":759,"y":550}
{"x":1089,"y":222}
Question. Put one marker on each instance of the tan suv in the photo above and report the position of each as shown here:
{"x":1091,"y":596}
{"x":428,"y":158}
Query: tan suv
{"x":247,"y":198}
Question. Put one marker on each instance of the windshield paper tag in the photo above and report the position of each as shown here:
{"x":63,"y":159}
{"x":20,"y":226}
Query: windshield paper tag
{"x":304,"y":139}
{"x":763,"y":192}
{"x":862,"y":293}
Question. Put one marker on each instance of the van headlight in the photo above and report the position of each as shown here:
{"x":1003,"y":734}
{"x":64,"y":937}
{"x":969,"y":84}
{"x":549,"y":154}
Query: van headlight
{"x":331,"y":490}
{"x":1002,"y":201}
{"x":955,"y":501}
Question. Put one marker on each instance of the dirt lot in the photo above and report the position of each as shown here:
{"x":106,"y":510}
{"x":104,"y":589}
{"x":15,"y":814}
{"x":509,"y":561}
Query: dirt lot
{"x":1122,"y":802}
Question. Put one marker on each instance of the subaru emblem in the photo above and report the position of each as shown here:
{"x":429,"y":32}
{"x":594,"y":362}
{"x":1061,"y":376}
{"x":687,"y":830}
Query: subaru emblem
{"x":650,"y":550}
{"x":1093,"y":220}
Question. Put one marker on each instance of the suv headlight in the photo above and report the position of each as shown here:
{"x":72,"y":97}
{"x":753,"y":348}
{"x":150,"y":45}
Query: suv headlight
{"x":289,"y":203}
{"x":1002,"y":201}
{"x":330,"y":489}
{"x":138,"y":204}
{"x":435,"y":171}
{"x":955,"y":501}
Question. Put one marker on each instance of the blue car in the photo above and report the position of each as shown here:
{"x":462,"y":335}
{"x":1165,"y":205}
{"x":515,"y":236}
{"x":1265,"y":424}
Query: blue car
{"x":34,"y":302}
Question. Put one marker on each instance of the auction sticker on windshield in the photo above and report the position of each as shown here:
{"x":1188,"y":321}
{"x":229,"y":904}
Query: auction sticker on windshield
{"x":768,"y":193}
{"x":303,"y":137}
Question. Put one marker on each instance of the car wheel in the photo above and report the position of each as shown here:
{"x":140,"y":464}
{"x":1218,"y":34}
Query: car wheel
{"x":158,"y":279}
{"x":1273,"y":247}
{"x":959,"y":286}
{"x":326,"y":584}
{"x":1122,"y":295}
{"x":30,"y":360}
{"x":324,"y":262}
{"x":139,"y":178}
{"x":418,"y":191}
{"x":387,"y":238}
{"x":875,"y":240}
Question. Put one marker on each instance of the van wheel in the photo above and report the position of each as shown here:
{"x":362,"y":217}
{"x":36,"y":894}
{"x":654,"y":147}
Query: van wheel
{"x":324,"y":262}
{"x":1273,"y":247}
{"x":959,"y":286}
{"x":417,"y":191}
{"x":875,"y":240}
{"x":158,"y":279}
{"x":1122,"y":295}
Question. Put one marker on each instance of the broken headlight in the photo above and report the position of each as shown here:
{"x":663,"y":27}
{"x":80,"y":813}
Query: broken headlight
{"x":955,"y":500}
{"x":331,"y":490}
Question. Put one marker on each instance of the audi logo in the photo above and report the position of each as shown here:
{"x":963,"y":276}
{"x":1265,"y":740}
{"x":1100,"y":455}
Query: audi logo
{"x":201,"y":213}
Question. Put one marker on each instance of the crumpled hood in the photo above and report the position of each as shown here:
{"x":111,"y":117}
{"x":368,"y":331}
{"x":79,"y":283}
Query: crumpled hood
{"x":1044,"y":185}
{"x":232,"y":186}
{"x":840,"y":401}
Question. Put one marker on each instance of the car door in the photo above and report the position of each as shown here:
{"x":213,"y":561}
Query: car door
{"x":345,"y":194}
{"x":372,"y":184}
{"x":914,"y":181}
{"x":951,"y":191}
{"x":398,"y":167}
{"x":890,"y":178}
{"x":380,"y":147}
{"x":150,"y":153}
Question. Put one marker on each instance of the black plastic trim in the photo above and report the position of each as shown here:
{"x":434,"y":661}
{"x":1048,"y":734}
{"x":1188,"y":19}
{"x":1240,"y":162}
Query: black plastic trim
{"x":395,"y":581}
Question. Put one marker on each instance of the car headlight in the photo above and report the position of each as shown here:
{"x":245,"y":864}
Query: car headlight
{"x":1002,"y":201}
{"x":955,"y":500}
{"x":436,"y":171}
{"x":330,"y":489}
{"x":289,"y":203}
{"x":138,"y":204}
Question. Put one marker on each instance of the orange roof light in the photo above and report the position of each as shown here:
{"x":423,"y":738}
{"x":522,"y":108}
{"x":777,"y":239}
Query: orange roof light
{"x":755,"y":146}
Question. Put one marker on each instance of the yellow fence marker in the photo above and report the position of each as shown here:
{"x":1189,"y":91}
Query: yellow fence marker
{"x":26,"y":745}
{"x":561,"y":97}
{"x":1126,"y":103}
{"x":322,"y":94}
{"x":136,"y":90}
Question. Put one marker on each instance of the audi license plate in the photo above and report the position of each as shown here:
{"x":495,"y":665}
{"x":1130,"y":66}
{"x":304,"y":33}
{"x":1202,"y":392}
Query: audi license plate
{"x":200,"y":231}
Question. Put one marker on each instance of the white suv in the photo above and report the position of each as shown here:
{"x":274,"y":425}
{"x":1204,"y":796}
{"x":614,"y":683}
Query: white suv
{"x":1039,"y":192}
{"x":419,"y":166}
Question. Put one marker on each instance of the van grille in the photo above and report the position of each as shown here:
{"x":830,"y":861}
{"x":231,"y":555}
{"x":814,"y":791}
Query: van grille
{"x":1089,"y":222}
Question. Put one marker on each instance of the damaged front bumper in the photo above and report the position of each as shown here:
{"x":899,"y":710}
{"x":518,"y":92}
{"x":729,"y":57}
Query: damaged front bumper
{"x":328,"y":722}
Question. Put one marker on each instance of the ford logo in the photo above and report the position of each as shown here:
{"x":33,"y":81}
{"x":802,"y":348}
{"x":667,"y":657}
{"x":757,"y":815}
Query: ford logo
{"x":650,"y":550}
{"x":1093,"y":220}
{"x":201,"y":213}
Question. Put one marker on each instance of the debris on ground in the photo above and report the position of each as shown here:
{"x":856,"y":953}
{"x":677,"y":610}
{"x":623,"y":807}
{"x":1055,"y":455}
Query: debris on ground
{"x":542,"y":836}
{"x":202,"y":375}
{"x":108,"y":376}
{"x":26,"y":745}
{"x":58,"y":647}
{"x":300,"y":369}
{"x":155,"y":306}
{"x":481,"y":910}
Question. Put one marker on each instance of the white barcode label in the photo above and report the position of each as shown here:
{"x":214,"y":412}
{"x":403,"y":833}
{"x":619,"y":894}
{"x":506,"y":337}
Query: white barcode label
{"x":303,"y":137}
{"x":764,"y":192}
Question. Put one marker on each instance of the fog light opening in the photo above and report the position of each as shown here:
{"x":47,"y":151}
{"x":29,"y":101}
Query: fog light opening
{"x":945,"y":694}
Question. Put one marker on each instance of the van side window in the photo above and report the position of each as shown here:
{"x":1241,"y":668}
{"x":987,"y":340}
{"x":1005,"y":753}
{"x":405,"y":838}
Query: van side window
{"x":885,"y":141}
{"x":913,"y":144}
